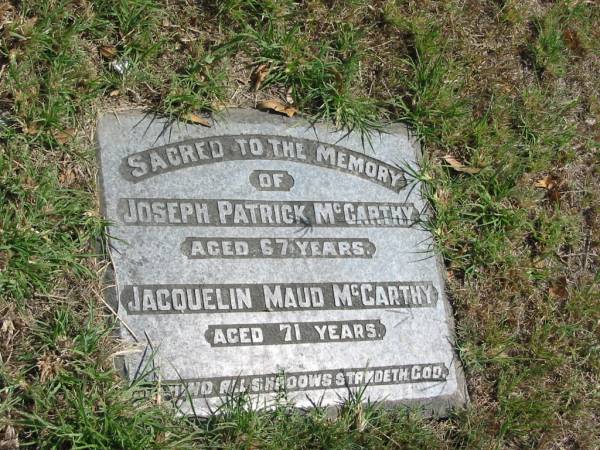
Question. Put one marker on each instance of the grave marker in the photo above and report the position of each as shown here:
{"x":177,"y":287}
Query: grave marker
{"x":265,"y":254}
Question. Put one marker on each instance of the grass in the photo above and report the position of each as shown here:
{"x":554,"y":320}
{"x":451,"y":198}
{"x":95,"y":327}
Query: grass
{"x":508,"y":88}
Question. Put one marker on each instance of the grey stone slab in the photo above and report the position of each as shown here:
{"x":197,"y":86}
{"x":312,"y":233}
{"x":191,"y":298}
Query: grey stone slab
{"x":266,"y":254}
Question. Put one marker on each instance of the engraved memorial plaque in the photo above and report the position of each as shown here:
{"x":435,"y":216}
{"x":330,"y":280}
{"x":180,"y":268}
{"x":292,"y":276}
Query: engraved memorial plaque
{"x":265,"y":255}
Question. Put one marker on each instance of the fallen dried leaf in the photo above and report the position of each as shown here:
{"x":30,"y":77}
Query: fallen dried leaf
{"x":551,"y":185}
{"x":288,"y":96}
{"x":197,"y":119}
{"x":573,"y":42}
{"x":4,"y":259}
{"x":31,"y":129}
{"x":258,"y":76}
{"x":91,"y":213}
{"x":10,"y":441}
{"x":108,"y":51}
{"x":460,"y":167}
{"x":67,"y":176}
{"x":7,"y":333}
{"x":548,"y":182}
{"x":278,"y":106}
{"x":49,"y":367}
{"x":7,"y":328}
{"x":5,"y":9}
{"x":554,"y":195}
{"x":28,"y":25}
{"x":62,"y":137}
{"x":559,"y":288}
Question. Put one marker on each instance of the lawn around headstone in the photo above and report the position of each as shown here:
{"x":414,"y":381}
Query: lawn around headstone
{"x":214,"y":193}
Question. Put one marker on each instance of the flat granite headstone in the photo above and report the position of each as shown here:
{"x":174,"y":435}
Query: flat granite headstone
{"x":267,"y":255}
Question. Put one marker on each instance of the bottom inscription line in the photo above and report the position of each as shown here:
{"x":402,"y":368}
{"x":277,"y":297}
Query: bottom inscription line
{"x":306,"y":381}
